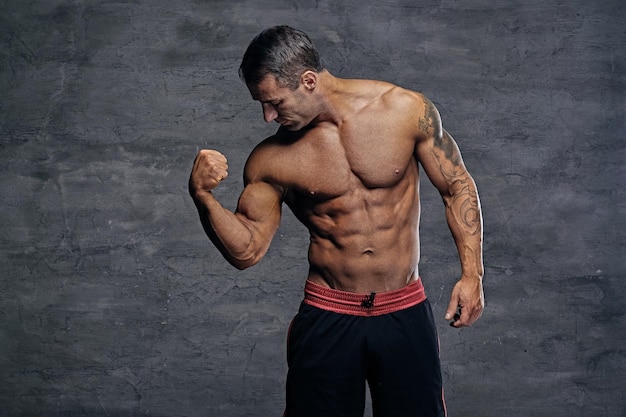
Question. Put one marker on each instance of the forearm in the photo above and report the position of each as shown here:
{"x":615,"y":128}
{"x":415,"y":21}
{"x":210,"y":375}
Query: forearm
{"x":464,"y":216}
{"x":227,"y":231}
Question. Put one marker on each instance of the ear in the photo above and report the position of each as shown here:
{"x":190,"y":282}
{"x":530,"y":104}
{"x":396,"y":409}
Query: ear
{"x":309,"y":80}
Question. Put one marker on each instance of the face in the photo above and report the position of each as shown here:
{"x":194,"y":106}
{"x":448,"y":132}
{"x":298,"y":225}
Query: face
{"x":289,"y":108}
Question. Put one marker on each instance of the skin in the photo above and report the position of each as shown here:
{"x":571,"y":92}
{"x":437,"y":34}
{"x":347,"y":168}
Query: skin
{"x":345,"y":161}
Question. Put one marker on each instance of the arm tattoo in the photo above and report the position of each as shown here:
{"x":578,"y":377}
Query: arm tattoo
{"x":426,"y":121}
{"x":430,"y":123}
{"x":466,"y":202}
{"x":464,"y":198}
{"x":446,"y":144}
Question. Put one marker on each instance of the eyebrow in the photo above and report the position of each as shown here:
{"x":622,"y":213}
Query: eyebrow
{"x":272,"y":101}
{"x":257,"y":97}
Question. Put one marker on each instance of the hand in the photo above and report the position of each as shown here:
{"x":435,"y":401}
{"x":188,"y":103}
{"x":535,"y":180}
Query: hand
{"x":466,"y":303}
{"x":209,"y":169}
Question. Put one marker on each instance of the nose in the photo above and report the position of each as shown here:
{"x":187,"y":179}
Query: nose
{"x":269,"y":112}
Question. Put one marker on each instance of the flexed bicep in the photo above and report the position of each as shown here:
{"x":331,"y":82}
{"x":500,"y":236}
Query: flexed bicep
{"x":243,"y":237}
{"x":260,"y":208}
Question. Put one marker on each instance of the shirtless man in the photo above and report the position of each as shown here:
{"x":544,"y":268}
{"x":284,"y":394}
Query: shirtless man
{"x":345,"y":161}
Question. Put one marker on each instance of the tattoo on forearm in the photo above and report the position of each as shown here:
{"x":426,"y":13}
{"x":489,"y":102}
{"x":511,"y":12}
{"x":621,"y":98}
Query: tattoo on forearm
{"x":464,"y":198}
{"x":466,"y":204}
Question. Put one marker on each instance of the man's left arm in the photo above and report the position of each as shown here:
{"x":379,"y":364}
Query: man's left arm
{"x":441,"y":159}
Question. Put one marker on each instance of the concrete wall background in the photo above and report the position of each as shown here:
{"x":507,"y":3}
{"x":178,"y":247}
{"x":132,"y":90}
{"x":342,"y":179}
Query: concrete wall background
{"x":113,"y":302}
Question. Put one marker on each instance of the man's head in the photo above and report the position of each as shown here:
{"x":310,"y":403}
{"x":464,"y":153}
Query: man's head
{"x":281,"y":51}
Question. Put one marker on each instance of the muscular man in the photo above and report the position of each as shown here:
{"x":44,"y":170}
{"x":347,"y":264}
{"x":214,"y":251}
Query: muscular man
{"x":345,"y":160}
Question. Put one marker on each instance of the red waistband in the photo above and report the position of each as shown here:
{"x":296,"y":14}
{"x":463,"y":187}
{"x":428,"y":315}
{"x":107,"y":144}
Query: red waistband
{"x":358,"y":304}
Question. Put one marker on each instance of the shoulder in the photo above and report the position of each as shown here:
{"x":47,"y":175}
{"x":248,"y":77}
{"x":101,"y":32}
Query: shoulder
{"x":259,"y":164}
{"x":394,"y":97}
{"x":268,"y":159}
{"x":412,"y":107}
{"x":416,"y":107}
{"x":405,"y":98}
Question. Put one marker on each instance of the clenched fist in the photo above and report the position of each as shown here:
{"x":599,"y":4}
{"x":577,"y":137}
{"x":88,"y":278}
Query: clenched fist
{"x":209,"y":168}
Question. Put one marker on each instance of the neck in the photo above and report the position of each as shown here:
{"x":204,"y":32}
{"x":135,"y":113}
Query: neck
{"x":332,"y":109}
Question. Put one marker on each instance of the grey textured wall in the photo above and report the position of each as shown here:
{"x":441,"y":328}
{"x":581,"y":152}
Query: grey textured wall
{"x":113,"y":302}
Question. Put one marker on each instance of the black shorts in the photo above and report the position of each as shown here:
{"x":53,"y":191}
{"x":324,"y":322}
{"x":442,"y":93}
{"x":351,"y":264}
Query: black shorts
{"x":340,"y":340}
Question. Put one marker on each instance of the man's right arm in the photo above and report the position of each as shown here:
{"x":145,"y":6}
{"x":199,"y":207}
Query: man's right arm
{"x":243,"y":237}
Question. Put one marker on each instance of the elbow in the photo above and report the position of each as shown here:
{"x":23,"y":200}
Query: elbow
{"x":243,"y":256}
{"x":241,"y":265}
{"x":244,"y":262}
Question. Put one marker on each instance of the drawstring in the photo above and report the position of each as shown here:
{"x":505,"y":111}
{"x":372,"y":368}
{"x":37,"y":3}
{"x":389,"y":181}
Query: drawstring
{"x":369,"y":301}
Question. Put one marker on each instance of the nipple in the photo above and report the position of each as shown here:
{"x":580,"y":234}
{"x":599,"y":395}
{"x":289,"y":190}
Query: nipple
{"x":396,"y":171}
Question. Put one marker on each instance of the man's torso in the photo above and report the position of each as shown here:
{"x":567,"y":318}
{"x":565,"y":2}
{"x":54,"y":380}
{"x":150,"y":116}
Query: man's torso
{"x":354,"y":185}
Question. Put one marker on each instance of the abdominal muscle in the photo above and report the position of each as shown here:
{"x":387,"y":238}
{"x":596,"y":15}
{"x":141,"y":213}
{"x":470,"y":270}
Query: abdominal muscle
{"x":354,"y":269}
{"x":365,"y":240}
